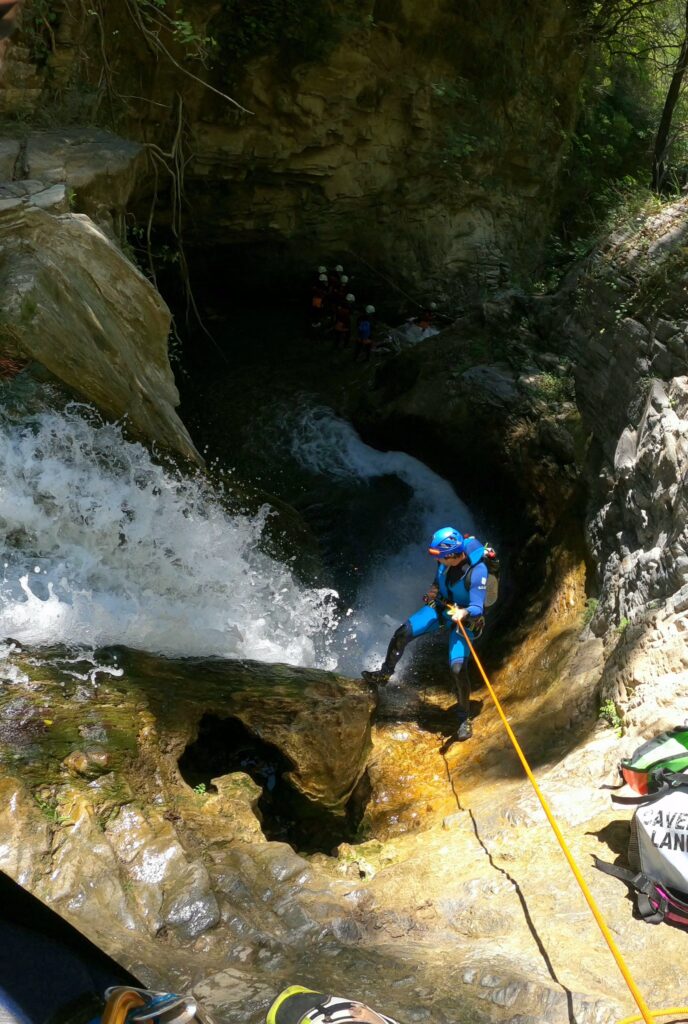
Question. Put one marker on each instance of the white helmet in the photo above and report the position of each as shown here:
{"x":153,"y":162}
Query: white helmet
{"x":339,"y":268}
{"x":344,"y":279}
{"x":322,"y":270}
{"x":433,"y":305}
{"x":370,"y":309}
{"x":350,"y":298}
{"x":323,"y":277}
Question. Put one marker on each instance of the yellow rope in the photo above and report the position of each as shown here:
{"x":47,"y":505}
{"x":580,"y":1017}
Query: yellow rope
{"x":683,"y":1010}
{"x":616,"y":953}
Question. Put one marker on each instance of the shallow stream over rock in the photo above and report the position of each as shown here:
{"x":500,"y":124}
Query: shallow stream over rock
{"x":230,"y":825}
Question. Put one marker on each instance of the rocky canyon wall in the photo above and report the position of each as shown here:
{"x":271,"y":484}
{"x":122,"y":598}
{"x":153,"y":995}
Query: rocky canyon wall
{"x":621,"y":317}
{"x":424,"y":137}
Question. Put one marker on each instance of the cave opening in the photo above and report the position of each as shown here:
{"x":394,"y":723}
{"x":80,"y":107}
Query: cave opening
{"x":224,"y":745}
{"x":247,"y":395}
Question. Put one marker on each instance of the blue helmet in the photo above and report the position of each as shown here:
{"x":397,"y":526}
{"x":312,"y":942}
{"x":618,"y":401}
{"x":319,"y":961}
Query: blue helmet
{"x":446,"y":543}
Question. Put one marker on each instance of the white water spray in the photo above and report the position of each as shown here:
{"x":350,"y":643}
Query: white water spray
{"x":102,"y":546}
{"x":396,"y":578}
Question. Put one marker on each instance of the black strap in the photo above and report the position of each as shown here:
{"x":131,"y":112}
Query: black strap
{"x":671,"y":780}
{"x":666,"y":782}
{"x":650,"y":914}
{"x":632,"y":801}
{"x":645,"y":888}
{"x":663,"y":762}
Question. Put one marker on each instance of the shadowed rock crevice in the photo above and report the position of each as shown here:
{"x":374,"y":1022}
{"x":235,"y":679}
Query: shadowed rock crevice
{"x":224,"y":746}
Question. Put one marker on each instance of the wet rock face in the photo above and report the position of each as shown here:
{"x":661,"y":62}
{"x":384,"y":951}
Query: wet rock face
{"x":78,"y":307}
{"x":621,"y":316}
{"x":647,"y":508}
{"x":73,"y":303}
{"x":174,"y":884}
{"x":454,"y":117}
{"x":622,"y":321}
{"x":99,"y":823}
{"x":392,"y":120}
{"x":493,"y":415}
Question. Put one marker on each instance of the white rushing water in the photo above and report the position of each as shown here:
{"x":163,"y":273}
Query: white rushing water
{"x":396,"y":577}
{"x":102,"y":546}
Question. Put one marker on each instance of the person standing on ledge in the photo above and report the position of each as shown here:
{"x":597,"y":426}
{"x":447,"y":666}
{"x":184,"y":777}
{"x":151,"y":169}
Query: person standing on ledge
{"x":456,"y":595}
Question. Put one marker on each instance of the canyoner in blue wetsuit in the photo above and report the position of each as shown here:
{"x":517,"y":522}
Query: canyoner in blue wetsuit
{"x":457,"y":594}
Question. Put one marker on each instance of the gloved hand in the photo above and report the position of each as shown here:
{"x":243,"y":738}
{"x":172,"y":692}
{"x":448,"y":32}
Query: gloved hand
{"x":431,"y":595}
{"x":456,"y":613}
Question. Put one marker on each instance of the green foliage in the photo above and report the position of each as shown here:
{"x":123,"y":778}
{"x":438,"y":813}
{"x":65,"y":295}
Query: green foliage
{"x":618,"y":204}
{"x":298,"y":30}
{"x":590,"y":609}
{"x":39,"y":20}
{"x":609,"y":713}
{"x":458,"y":145}
{"x":201,"y":789}
{"x":553,"y":388}
{"x":623,"y":626}
{"x":51,"y":811}
{"x":197,"y":45}
{"x":621,"y":102}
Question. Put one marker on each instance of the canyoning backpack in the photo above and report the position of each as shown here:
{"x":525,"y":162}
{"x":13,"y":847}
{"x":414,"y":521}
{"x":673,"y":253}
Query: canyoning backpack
{"x":658,"y":848}
{"x":645,"y":771}
{"x":658,"y":854}
{"x":490,"y":559}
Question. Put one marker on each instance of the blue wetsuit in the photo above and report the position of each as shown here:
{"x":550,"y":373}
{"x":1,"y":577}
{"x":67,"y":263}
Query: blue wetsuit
{"x":452,"y":585}
{"x":464,"y":585}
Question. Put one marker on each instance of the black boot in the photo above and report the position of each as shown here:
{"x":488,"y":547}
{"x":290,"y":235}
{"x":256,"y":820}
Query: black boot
{"x":465,"y":730}
{"x":395,"y":650}
{"x":463,"y":692}
{"x":376,"y":676}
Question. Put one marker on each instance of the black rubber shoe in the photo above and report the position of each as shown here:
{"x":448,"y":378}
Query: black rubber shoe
{"x":377,"y":676}
{"x":465,"y":731}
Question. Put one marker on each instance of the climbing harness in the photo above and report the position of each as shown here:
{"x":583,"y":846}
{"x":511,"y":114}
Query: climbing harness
{"x":645,"y":1013}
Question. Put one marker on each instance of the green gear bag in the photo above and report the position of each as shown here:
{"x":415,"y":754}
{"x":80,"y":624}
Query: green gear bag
{"x":666,"y":752}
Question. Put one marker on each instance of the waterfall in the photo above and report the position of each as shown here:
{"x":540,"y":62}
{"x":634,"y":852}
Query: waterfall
{"x":399,"y":571}
{"x":101,"y":545}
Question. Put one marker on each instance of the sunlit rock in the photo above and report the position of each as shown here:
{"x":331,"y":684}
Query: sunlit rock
{"x":77,"y":306}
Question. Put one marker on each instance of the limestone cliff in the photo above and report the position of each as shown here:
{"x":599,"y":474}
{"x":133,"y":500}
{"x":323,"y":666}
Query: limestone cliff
{"x":72,"y":301}
{"x":424,"y":137}
{"x":621,"y":316}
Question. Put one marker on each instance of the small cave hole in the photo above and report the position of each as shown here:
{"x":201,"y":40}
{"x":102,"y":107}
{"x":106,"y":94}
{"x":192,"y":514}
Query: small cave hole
{"x":225,"y":745}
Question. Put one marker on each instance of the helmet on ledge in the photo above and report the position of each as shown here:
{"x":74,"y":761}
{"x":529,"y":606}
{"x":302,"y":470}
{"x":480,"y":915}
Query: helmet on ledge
{"x":446,"y":543}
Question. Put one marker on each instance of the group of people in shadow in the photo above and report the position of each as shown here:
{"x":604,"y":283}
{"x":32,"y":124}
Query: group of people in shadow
{"x":335,"y":312}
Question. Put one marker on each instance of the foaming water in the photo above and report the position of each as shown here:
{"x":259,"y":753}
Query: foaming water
{"x":103,"y":546}
{"x":399,"y":570}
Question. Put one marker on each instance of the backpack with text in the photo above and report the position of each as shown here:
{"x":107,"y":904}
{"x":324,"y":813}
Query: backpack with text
{"x":658,"y":849}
